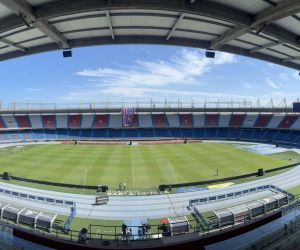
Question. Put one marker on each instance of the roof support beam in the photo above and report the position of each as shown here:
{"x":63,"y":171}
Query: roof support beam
{"x":25,"y":10}
{"x":288,"y":59}
{"x":175,"y":26}
{"x":265,"y":46}
{"x":11,"y":44}
{"x":267,"y":16}
{"x":110,"y":24}
{"x":149,"y":40}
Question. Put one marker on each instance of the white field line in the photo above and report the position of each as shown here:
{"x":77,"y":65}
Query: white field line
{"x":84,"y":179}
{"x":131,"y":166}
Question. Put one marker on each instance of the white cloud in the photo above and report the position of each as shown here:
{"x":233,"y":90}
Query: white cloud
{"x":272,"y":84}
{"x":148,"y":92}
{"x":296,"y":75}
{"x":31,"y":90}
{"x":248,"y":85}
{"x":184,"y":68}
{"x":284,"y":76}
{"x":149,"y":78}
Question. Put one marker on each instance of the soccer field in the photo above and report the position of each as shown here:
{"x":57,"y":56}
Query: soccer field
{"x":142,"y":166}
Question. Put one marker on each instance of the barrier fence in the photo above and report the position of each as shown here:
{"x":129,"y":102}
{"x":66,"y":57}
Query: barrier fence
{"x":155,"y":231}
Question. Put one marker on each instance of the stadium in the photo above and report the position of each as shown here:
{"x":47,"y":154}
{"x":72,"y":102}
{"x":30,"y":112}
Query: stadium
{"x":157,"y":174}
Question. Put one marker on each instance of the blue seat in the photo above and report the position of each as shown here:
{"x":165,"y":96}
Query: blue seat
{"x":146,"y":132}
{"x":162,"y":133}
{"x":187,"y":132}
{"x":99,"y":133}
{"x":130,"y":133}
{"x":175,"y":132}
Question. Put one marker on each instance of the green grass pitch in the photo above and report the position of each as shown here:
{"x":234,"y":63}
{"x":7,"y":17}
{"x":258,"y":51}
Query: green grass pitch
{"x":142,"y":166}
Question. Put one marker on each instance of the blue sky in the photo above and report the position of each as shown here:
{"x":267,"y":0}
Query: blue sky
{"x":142,"y":72}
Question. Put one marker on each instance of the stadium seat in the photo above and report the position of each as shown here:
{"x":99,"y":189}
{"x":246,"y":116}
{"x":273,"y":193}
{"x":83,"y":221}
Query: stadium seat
{"x":36,"y":121}
{"x":87,"y":120}
{"x":173,"y":120}
{"x":130,"y":133}
{"x":99,"y":133}
{"x":250,"y":120}
{"x":2,"y":123}
{"x":74,"y":121}
{"x":100,"y":121}
{"x":288,"y":121}
{"x":211,"y":120}
{"x":48,"y":121}
{"x":160,"y":120}
{"x":275,"y":121}
{"x":74,"y":134}
{"x":211,"y":133}
{"x":175,"y":132}
{"x":162,"y":133}
{"x":263,"y":120}
{"x":224,"y":120}
{"x":115,"y":133}
{"x":86,"y":134}
{"x":237,"y":120}
{"x":146,"y":133}
{"x":145,"y":121}
{"x":23,"y":121}
{"x":186,"y":120}
{"x":50,"y":134}
{"x":187,"y":133}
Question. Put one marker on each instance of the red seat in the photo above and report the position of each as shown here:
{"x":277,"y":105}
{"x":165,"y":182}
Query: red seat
{"x":186,"y":120}
{"x":211,"y":120}
{"x":160,"y":120}
{"x":2,"y":123}
{"x":49,"y":121}
{"x":23,"y":121}
{"x":288,"y":121}
{"x":100,"y":121}
{"x":237,"y":120}
{"x":263,"y":120}
{"x":74,"y":121}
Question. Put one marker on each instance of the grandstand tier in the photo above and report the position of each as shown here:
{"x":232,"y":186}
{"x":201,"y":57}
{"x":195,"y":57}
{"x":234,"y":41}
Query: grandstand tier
{"x":287,"y":137}
{"x":148,"y":120}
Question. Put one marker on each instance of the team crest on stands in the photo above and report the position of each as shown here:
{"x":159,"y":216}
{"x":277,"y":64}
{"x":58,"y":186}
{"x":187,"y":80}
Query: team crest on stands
{"x":128,"y":116}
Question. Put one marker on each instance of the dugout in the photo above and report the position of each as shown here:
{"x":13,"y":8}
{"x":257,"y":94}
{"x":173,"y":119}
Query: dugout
{"x":12,"y":212}
{"x":240,"y":213}
{"x":29,"y":217}
{"x":256,"y":208}
{"x":179,"y":225}
{"x":225,"y":217}
{"x":45,"y":220}
{"x":270,"y":203}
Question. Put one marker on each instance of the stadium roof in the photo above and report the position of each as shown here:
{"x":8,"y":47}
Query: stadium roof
{"x":265,"y":29}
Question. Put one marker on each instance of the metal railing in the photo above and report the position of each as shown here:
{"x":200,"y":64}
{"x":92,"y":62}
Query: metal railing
{"x":115,"y":233}
{"x":112,"y":104}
